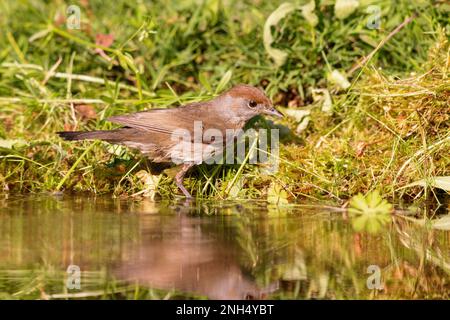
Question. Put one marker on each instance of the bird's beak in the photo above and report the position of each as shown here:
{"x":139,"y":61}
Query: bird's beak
{"x":273,"y":112}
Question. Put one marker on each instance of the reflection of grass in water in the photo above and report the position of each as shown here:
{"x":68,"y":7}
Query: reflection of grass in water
{"x":320,"y":278}
{"x":325,"y":258}
{"x":44,"y":283}
{"x":50,"y":284}
{"x":431,"y":247}
{"x":61,"y":231}
{"x":311,"y":253}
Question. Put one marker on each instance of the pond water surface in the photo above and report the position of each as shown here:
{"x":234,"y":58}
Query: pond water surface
{"x":103,"y":248}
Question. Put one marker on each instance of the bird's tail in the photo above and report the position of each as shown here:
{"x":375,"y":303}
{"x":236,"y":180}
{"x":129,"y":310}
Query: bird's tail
{"x":107,"y":135}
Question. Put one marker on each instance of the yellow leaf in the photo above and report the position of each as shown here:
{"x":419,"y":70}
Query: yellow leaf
{"x":150,"y":181}
{"x":339,"y":79}
{"x":344,"y":8}
{"x":277,"y":55}
{"x":308,"y":13}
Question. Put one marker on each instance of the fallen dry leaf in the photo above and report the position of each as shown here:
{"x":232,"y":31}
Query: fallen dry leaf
{"x":69,"y":127}
{"x":360,"y":148}
{"x":104,"y":40}
{"x":151,"y":183}
{"x":60,"y":19}
{"x":86,"y":111}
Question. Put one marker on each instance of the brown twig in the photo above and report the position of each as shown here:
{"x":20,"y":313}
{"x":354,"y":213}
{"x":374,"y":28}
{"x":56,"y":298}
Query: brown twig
{"x":52,"y":71}
{"x":366,"y":59}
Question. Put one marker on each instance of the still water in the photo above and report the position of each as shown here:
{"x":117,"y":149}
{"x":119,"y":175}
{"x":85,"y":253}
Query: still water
{"x":104,"y":248}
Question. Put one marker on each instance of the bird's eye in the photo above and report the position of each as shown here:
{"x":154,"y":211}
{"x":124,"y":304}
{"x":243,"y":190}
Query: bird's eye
{"x":252,"y":104}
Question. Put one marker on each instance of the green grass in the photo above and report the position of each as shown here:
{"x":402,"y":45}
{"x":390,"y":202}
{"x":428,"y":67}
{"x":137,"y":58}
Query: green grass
{"x":383,"y":132}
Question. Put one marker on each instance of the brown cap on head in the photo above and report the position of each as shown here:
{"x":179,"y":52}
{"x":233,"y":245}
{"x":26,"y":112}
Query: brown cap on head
{"x":250,"y":93}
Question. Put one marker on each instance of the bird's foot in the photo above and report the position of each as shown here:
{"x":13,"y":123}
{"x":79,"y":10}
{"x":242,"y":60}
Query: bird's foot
{"x":180,"y":177}
{"x":184,"y":190}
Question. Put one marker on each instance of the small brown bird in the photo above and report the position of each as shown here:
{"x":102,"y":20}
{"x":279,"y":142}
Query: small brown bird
{"x":169,"y":135}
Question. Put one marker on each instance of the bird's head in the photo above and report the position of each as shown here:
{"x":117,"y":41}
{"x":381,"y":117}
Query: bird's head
{"x":251,"y":101}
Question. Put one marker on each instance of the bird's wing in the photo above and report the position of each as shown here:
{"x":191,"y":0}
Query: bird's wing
{"x":174,"y":120}
{"x":157,"y":120}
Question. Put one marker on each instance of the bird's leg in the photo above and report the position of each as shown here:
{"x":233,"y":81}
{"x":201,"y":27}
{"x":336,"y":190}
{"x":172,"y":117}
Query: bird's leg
{"x":179,"y":179}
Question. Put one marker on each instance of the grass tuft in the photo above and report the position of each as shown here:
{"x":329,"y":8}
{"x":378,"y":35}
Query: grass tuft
{"x":389,"y":129}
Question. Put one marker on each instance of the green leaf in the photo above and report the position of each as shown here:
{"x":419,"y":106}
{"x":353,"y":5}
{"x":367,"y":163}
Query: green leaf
{"x":122,"y":61}
{"x":236,"y":188}
{"x":369,"y":40}
{"x":204,"y":81}
{"x":130,"y":62}
{"x":359,"y":223}
{"x":9,"y":143}
{"x":276,"y":194}
{"x":118,"y":151}
{"x":358,"y":203}
{"x":224,"y":81}
{"x":370,"y":212}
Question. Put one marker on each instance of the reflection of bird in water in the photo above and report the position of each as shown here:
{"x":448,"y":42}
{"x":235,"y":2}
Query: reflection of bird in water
{"x":180,"y":255}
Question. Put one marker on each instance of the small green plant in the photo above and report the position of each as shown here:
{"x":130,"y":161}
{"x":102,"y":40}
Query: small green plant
{"x":369,"y":212}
